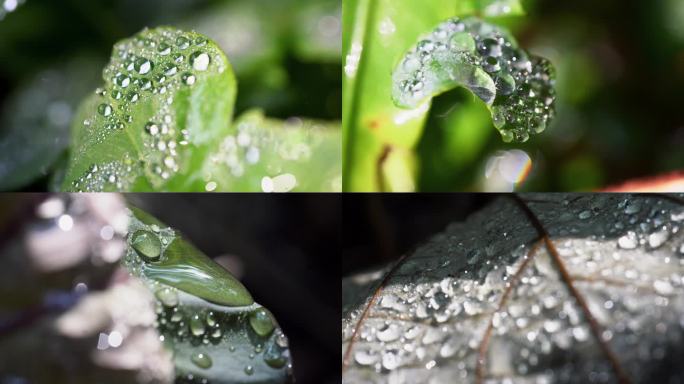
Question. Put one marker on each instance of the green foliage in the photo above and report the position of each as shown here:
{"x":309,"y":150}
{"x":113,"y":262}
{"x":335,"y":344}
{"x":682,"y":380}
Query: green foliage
{"x":163,"y":122}
{"x":206,"y":317}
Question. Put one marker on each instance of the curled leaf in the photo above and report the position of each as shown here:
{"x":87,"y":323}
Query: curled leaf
{"x":517,"y":87}
{"x":206,"y":316}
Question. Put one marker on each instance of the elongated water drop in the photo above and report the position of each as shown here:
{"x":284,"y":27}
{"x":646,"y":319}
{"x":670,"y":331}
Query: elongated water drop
{"x":196,"y":325}
{"x":147,"y":245}
{"x":261,"y":322}
{"x":201,"y":360}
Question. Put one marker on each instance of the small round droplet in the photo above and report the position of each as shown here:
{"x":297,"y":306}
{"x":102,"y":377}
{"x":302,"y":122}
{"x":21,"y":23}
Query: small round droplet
{"x":104,"y":110}
{"x":261,"y":322}
{"x":143,"y":66}
{"x":201,"y":360}
{"x":182,"y":42}
{"x":147,"y":245}
{"x":249,"y":370}
{"x":189,"y":78}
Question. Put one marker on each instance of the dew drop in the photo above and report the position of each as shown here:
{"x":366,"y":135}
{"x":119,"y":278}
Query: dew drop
{"x":249,"y":370}
{"x":182,"y":42}
{"x":200,"y":61}
{"x":167,"y":296}
{"x":201,"y":360}
{"x":143,"y":66}
{"x":189,"y":78}
{"x":197,"y":325}
{"x":628,"y":241}
{"x":104,"y":110}
{"x":584,"y":215}
{"x":261,"y":322}
{"x":147,"y":245}
{"x":462,"y":42}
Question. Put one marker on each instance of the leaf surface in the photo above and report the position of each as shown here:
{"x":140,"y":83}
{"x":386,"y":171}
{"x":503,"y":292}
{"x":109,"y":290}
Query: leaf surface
{"x":555,"y":288}
{"x":517,"y":87}
{"x":206,"y":317}
{"x":168,"y":97}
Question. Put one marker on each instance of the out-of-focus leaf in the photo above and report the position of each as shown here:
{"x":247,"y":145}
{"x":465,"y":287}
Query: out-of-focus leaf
{"x":490,"y":8}
{"x":270,"y":155}
{"x":318,"y":30}
{"x":35,"y":123}
{"x":485,"y":59}
{"x":168,"y":99}
{"x":552,"y":288}
{"x":215,"y":329}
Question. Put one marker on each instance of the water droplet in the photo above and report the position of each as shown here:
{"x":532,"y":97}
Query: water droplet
{"x":628,"y":241}
{"x":104,"y":110}
{"x":189,"y":78}
{"x":201,"y":360}
{"x":261,"y":322}
{"x":389,"y":333}
{"x":168,"y":297}
{"x":197,"y":325}
{"x":462,"y":41}
{"x":366,"y":357}
{"x":122,"y":80}
{"x":147,"y":245}
{"x":143,"y":66}
{"x":274,"y":356}
{"x":584,"y":215}
{"x":658,"y":238}
{"x":200,"y":61}
{"x":164,"y":49}
{"x":249,"y":370}
{"x":182,"y":42}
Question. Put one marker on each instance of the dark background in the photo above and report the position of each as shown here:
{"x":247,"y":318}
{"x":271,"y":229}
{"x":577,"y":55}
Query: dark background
{"x":379,"y":228}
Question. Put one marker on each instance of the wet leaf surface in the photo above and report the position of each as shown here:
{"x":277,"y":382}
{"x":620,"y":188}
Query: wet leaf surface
{"x":215,"y":329}
{"x":551,"y":288}
{"x":517,"y":87}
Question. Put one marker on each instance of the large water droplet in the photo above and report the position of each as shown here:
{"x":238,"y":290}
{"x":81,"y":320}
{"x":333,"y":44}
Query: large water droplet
{"x":147,"y":245}
{"x":261,"y":322}
{"x":200,"y":61}
{"x":167,"y":296}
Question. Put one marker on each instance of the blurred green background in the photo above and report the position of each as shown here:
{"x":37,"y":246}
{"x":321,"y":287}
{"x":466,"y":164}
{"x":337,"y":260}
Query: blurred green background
{"x":286,"y":55}
{"x":620,"y":87}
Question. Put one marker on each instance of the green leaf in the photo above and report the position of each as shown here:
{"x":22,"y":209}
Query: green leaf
{"x":517,"y":87}
{"x":375,"y":36}
{"x":167,"y":100}
{"x":35,"y":121}
{"x":209,"y":320}
{"x":269,"y":155}
{"x":490,"y":8}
